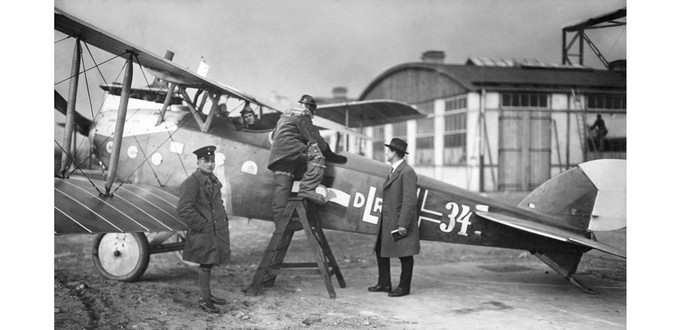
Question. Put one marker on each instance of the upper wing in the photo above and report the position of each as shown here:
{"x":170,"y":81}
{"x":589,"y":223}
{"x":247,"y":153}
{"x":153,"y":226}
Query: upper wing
{"x":158,"y":66}
{"x":549,"y":231}
{"x":78,"y":209}
{"x":368,"y":113}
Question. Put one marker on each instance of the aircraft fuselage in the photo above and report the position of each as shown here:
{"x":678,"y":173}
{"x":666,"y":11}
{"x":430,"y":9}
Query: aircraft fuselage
{"x":162,"y":156}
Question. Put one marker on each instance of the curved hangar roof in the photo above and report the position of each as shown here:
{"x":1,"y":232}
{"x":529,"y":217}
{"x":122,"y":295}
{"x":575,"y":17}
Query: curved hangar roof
{"x":423,"y":81}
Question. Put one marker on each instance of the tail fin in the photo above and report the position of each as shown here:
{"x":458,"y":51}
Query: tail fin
{"x":590,"y":197}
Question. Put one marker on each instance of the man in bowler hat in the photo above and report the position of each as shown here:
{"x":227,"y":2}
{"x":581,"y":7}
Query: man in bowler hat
{"x":397,"y":225}
{"x":201,"y":208}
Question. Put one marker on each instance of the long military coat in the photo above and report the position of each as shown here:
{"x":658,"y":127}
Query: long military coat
{"x":200,"y":207}
{"x":399,"y":210}
{"x":294,"y":131}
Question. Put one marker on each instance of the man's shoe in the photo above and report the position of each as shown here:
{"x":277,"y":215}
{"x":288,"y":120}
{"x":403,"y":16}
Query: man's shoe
{"x":398,"y":292}
{"x":380,"y":288}
{"x":207,"y":306}
{"x":216,"y":300}
{"x":316,"y":198}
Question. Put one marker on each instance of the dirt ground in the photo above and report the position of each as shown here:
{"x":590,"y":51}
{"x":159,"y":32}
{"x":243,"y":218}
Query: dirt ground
{"x":453,"y":285}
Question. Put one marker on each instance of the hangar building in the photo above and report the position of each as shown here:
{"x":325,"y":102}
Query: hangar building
{"x":500,"y":125}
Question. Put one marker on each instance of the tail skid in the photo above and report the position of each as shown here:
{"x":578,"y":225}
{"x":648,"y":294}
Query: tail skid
{"x":565,"y":265}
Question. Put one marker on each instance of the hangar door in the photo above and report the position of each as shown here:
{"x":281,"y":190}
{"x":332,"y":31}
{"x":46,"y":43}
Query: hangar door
{"x":524,"y":149}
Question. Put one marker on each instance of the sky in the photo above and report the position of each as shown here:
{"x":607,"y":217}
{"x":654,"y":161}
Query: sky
{"x":290,"y":48}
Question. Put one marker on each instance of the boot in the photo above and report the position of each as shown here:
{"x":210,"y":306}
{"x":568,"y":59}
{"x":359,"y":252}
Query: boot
{"x":216,"y":300}
{"x":207,"y":306}
{"x":205,"y":302}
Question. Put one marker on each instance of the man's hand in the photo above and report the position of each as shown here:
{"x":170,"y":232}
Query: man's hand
{"x":333,"y":157}
{"x":402,"y":231}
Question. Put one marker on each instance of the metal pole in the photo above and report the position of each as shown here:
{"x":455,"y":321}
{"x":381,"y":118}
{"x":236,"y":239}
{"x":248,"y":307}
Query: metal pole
{"x":569,"y":129}
{"x":120,"y":125}
{"x":564,"y":47}
{"x":70,"y":109}
{"x":481,"y":140}
{"x":580,"y":47}
{"x":346,"y":142}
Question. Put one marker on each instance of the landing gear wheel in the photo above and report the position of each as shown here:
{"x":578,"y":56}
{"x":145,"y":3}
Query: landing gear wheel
{"x":180,"y":236}
{"x":121,"y":257}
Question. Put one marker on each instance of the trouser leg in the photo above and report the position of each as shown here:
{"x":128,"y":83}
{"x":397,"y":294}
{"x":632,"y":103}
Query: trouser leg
{"x":204,"y":280}
{"x":282,"y":185}
{"x":406,"y":272}
{"x":384,"y":278}
{"x":315,"y":168}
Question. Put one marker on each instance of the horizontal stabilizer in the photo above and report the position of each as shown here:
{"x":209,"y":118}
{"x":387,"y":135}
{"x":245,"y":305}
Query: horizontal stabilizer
{"x":549,"y":231}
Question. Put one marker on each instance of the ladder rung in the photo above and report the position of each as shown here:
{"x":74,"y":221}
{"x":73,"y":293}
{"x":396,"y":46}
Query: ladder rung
{"x":295,"y":271}
{"x":297,"y":264}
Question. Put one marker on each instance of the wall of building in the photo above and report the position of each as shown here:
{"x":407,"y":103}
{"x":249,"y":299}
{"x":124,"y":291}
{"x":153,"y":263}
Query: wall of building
{"x":565,"y":115}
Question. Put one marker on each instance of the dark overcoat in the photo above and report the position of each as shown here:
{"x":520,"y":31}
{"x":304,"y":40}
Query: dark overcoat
{"x":399,"y":210}
{"x":293,"y":133}
{"x":201,"y":208}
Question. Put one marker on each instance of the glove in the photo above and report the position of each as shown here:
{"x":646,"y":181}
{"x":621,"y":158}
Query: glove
{"x":333,"y":157}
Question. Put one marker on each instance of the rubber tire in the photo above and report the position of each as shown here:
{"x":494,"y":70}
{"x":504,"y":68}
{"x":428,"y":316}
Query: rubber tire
{"x":130,"y":264}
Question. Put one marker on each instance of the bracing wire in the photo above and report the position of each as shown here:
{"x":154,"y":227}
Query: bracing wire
{"x":69,"y":77}
{"x":78,"y":167}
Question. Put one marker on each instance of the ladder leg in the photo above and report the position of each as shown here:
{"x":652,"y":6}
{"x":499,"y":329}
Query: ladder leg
{"x":273,"y":251}
{"x":279,"y":255}
{"x":327,"y":249}
{"x":316,"y":248}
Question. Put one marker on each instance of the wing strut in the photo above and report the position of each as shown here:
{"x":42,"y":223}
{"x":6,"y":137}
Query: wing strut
{"x":70,"y":110}
{"x":166,"y":103}
{"x":213,"y":111}
{"x":120,"y":125}
{"x":194,"y":112}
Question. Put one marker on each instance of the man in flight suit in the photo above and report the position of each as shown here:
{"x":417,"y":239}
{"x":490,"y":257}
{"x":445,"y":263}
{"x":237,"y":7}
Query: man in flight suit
{"x":297,"y":148}
{"x":201,"y":208}
{"x":250,"y":121}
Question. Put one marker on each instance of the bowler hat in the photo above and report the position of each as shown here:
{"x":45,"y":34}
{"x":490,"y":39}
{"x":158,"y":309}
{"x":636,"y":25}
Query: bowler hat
{"x":306,"y":99}
{"x":398,"y":144}
{"x":206,"y":151}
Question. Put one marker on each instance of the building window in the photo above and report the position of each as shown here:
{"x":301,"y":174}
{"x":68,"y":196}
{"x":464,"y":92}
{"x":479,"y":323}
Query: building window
{"x":379,"y":143}
{"x":425,"y":141}
{"x":399,"y":130}
{"x":455,"y":138}
{"x":617,"y":102}
{"x":458,"y":102}
{"x":525,"y":100}
{"x":424,"y":150}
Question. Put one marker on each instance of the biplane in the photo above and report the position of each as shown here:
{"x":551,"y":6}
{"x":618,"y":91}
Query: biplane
{"x":142,"y":139}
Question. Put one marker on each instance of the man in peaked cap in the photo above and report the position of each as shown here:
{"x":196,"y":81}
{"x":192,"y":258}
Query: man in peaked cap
{"x":201,"y":208}
{"x":398,"y":223}
{"x":298,"y":150}
{"x":250,"y":120}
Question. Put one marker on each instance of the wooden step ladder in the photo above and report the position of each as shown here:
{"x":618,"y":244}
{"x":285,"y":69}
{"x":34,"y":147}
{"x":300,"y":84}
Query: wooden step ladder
{"x":299,"y":214}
